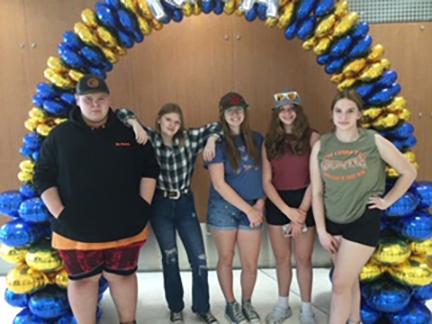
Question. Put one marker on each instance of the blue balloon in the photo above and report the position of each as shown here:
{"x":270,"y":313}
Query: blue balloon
{"x":291,"y":31}
{"x":126,"y":21}
{"x":324,"y":59}
{"x":126,"y":39}
{"x":369,"y":315}
{"x":114,"y":4}
{"x":26,"y":151}
{"x":361,"y":30}
{"x":417,"y":227}
{"x":405,"y":206}
{"x":32,"y":140}
{"x":55,"y":107}
{"x":331,"y":274}
{"x":422,"y":293}
{"x":107,"y":66}
{"x":35,"y":155}
{"x":387,"y":79}
{"x":49,"y":303}
{"x":341,"y":46}
{"x":424,"y":191}
{"x":16,"y":300}
{"x":92,"y":56}
{"x":262,"y":10}
{"x":28,"y":191}
{"x":361,"y":47}
{"x":305,"y":9}
{"x":10,"y":202}
{"x":72,"y":40}
{"x":414,"y":313}
{"x":69,"y":99}
{"x":98,"y":72}
{"x":138,"y":36}
{"x":46,"y":91}
{"x":106,"y":15}
{"x":207,"y":6}
{"x":103,"y":285}
{"x":178,"y":15}
{"x":306,"y":28}
{"x":217,"y":9}
{"x":34,"y":210}
{"x":405,"y":144}
{"x":252,"y":14}
{"x":385,"y":295}
{"x":72,"y":58}
{"x":402,"y":132}
{"x":26,"y":317}
{"x":38,"y":100}
{"x":365,"y":90}
{"x":336,"y":66}
{"x":395,"y":89}
{"x":380,"y":98}
{"x":323,"y":7}
{"x":19,"y":233}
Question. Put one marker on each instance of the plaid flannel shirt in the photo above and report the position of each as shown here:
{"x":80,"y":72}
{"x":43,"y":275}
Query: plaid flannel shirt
{"x":176,"y":163}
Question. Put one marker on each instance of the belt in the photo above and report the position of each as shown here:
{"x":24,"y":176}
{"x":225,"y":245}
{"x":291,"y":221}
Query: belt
{"x":173,"y":194}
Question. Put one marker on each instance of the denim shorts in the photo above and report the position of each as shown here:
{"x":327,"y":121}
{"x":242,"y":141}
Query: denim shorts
{"x":223,"y":216}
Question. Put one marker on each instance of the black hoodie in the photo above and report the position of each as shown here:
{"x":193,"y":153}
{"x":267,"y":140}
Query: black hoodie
{"x":98,"y":174}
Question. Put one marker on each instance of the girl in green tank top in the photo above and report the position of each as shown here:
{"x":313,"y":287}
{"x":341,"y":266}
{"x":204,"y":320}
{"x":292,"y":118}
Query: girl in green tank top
{"x":348,"y":178}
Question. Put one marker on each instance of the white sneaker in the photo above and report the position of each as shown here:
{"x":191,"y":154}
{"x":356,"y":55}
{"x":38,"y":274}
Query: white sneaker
{"x":278,"y":315}
{"x":307,"y":318}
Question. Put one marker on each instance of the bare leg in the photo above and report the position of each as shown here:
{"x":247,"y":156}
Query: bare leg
{"x":83,"y":298}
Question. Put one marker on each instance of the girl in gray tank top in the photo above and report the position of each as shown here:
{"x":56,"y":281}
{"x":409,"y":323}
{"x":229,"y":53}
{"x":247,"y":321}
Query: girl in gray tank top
{"x":348,"y":179}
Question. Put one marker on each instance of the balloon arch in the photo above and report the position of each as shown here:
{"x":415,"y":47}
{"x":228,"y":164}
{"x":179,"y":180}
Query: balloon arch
{"x":395,"y":283}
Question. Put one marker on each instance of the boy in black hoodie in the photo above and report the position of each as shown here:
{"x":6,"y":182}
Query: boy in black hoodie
{"x":98,"y":183}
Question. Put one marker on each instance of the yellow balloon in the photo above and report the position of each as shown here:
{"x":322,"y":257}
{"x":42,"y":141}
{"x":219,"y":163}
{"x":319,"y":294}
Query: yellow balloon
{"x":424,"y":247}
{"x":410,"y":156}
{"x":37,"y":114}
{"x":323,"y":45}
{"x":59,"y":80}
{"x":346,"y":24}
{"x":110,"y":55}
{"x":44,"y":258}
{"x":107,"y":38}
{"x":271,"y":22}
{"x":387,"y":121}
{"x":86,"y":35}
{"x":31,"y":124}
{"x":120,"y":50}
{"x":370,"y":271}
{"x":416,"y":165}
{"x":76,"y":75}
{"x":187,"y":9}
{"x":23,"y":279}
{"x":55,"y":64}
{"x":145,"y":9}
{"x":377,"y":53}
{"x":27,"y":166}
{"x":397,"y":105}
{"x":197,"y":9}
{"x":131,"y":5}
{"x":325,"y":26}
{"x":413,"y":272}
{"x":25,"y":176}
{"x":44,"y":129}
{"x":337,"y":78}
{"x":286,"y":15}
{"x":13,"y":254}
{"x":405,"y":115}
{"x":144,"y":26}
{"x":391,"y":173}
{"x":346,"y":84}
{"x":89,"y":18}
{"x":310,"y":43}
{"x":59,"y":121}
{"x":62,"y":279}
{"x":354,"y":67}
{"x":341,"y":8}
{"x":366,"y":125}
{"x":374,"y":71}
{"x":391,"y":250}
{"x":372,"y":113}
{"x":156,"y":24}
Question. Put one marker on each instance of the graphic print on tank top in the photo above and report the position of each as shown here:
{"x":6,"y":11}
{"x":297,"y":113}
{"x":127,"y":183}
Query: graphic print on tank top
{"x":344,"y":165}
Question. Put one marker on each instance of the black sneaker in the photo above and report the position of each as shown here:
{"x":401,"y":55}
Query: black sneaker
{"x":176,"y":318}
{"x":250,"y":313}
{"x":208,"y":318}
{"x":234,"y":314}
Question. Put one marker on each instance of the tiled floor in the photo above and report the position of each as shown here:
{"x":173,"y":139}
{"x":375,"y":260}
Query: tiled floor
{"x":152,"y":307}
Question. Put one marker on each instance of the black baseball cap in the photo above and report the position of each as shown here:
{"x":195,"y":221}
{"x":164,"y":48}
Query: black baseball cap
{"x":91,"y":84}
{"x":232,"y":99}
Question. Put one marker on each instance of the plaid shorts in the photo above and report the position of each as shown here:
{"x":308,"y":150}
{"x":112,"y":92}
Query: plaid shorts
{"x":81,"y":264}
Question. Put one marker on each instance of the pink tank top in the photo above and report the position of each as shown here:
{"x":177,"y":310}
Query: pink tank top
{"x":291,"y":172}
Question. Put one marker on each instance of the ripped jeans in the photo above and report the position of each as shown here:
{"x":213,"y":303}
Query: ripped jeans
{"x":171,"y":216}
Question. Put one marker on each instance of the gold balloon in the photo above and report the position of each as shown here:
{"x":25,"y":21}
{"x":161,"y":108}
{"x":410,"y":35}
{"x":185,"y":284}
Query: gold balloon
{"x":323,"y":45}
{"x":23,"y":279}
{"x":377,"y":53}
{"x":372,"y":113}
{"x":341,"y":8}
{"x":44,"y":258}
{"x":286,"y":15}
{"x":354,"y":67}
{"x":62,"y":279}
{"x":145,"y":9}
{"x":13,"y":254}
{"x":346,"y":84}
{"x":405,"y":115}
{"x":31,"y":124}
{"x":27,"y":166}
{"x":37,"y":114}
{"x":413,"y":272}
{"x":391,"y":250}
{"x":229,"y":7}
{"x":370,"y":271}
{"x":410,"y":156}
{"x":416,"y":165}
{"x":86,"y":35}
{"x":310,"y":43}
{"x":110,"y":55}
{"x":59,"y":121}
{"x":144,"y":26}
{"x":197,"y":9}
{"x":120,"y":50}
{"x":59,"y":80}
{"x":44,"y":129}
{"x":366,"y":125}
{"x":337,"y":78}
{"x":187,"y":9}
{"x":25,"y":176}
{"x":374,"y":71}
{"x":107,"y":38}
{"x":346,"y":24}
{"x":131,"y":5}
{"x":271,"y":22}
{"x":391,"y":173}
{"x":55,"y":64}
{"x":424,"y":247}
{"x":76,"y":75}
{"x":156,"y":24}
{"x":387,"y":121}
{"x":325,"y":26}
{"x":397,"y":105}
{"x":89,"y":18}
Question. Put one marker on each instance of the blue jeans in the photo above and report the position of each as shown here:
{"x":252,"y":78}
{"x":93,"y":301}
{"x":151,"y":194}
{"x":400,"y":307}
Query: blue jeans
{"x":169,"y":216}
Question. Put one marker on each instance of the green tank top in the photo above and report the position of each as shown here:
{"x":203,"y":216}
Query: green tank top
{"x":352,"y":173}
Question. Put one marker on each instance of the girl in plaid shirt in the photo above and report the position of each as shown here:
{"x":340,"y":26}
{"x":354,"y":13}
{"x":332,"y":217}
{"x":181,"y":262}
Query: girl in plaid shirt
{"x":174,"y":211}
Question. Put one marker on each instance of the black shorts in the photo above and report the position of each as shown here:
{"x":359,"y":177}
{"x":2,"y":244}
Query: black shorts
{"x":365,"y":230}
{"x":292,"y":198}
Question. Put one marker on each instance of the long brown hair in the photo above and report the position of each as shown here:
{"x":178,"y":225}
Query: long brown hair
{"x":230,"y":145}
{"x":351,"y":95}
{"x":275,"y":141}
{"x":168,"y":109}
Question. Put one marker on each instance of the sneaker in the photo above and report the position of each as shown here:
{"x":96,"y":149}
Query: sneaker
{"x":278,"y":315}
{"x":250,"y":313}
{"x":307,"y":318}
{"x":208,"y":318}
{"x":234,"y":314}
{"x":176,"y":318}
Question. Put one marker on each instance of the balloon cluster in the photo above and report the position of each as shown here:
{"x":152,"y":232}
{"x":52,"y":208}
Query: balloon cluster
{"x":342,"y":45}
